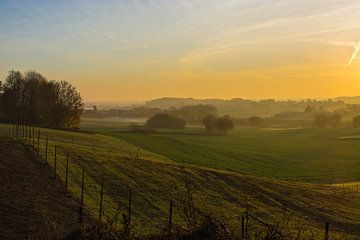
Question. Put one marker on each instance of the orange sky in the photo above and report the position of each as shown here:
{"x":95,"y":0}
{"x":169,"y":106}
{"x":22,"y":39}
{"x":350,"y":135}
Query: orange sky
{"x":138,"y":50}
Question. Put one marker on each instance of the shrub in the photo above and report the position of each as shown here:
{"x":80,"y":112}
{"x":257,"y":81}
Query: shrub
{"x":165,"y":121}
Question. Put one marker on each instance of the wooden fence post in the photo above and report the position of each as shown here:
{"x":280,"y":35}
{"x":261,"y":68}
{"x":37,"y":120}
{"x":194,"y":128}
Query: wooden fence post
{"x":46,"y":150}
{"x":67,"y":172}
{"x":357,"y":187}
{"x":33,"y":135}
{"x":30,"y":135}
{"x":326,"y":231}
{"x":246,"y":219}
{"x":38,"y":142}
{"x":55,"y":148}
{"x":82,"y":197}
{"x":242,"y":227}
{"x":101,"y":198}
{"x":13,"y":130}
{"x":170,"y":219}
{"x":129,"y":209}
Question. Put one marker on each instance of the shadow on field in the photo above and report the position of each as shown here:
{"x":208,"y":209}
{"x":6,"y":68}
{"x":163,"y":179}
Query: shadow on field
{"x":33,"y":205}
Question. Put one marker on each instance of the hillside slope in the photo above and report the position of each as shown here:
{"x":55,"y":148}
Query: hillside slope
{"x":155,"y":181}
{"x":32,"y":202}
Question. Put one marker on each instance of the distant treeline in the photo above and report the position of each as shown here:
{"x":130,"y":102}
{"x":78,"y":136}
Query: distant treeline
{"x":191,"y":114}
{"x":33,"y":99}
{"x":245,"y":108}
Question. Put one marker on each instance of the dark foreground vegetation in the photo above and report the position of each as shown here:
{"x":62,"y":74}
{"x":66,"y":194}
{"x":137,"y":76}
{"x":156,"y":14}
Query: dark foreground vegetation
{"x":33,"y":99}
{"x":208,"y":229}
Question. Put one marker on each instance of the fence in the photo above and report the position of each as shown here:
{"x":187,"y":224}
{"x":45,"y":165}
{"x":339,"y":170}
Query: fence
{"x":32,"y":136}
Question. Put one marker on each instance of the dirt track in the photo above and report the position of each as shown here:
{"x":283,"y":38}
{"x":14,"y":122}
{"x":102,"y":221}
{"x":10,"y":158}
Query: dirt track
{"x":31,"y":200}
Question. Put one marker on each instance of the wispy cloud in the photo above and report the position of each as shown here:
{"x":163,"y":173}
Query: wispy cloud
{"x":93,"y":30}
{"x":354,"y":54}
{"x":286,"y":29}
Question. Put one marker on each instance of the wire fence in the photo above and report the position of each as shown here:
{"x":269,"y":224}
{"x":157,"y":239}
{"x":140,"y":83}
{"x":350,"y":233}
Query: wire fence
{"x":102,"y":194}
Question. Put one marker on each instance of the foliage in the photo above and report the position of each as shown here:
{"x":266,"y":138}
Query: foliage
{"x":193,"y":113}
{"x":33,"y":99}
{"x":356,"y":122}
{"x":320,"y":120}
{"x":324,"y":119}
{"x":165,"y":121}
{"x":209,"y":123}
{"x":218,"y":124}
{"x":245,"y":108}
{"x":254,"y":121}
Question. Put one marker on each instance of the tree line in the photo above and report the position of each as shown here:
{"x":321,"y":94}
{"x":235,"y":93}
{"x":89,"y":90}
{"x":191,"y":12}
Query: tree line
{"x":193,"y":114}
{"x":33,"y":99}
{"x":212,"y":124}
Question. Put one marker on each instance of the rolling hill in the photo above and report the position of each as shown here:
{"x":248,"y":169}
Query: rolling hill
{"x":155,"y":180}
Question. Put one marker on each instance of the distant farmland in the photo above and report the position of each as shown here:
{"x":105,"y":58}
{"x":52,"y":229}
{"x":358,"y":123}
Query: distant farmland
{"x":307,"y":155}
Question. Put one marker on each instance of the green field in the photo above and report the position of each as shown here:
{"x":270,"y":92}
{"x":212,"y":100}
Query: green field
{"x":222,"y":171}
{"x":309,"y":155}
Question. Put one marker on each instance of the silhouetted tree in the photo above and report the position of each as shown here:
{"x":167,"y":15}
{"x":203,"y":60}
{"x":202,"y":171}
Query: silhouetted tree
{"x":335,"y":120}
{"x":320,"y":120}
{"x":34,"y":99}
{"x":65,"y":104}
{"x":309,"y":109}
{"x":224,"y":124}
{"x":209,"y":122}
{"x":165,"y":121}
{"x":193,"y":113}
{"x":254,"y":121}
{"x":356,"y":122}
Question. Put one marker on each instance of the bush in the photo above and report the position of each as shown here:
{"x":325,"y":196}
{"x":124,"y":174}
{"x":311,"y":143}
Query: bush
{"x":218,"y":124}
{"x":165,"y":121}
{"x":356,"y":122}
{"x":254,"y":121}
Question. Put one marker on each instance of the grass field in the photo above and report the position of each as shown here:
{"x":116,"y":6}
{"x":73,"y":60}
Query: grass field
{"x":309,"y":155}
{"x":152,"y":166}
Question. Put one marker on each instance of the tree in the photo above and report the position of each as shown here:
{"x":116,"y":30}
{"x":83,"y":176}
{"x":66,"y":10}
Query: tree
{"x":356,"y":122}
{"x":254,"y":121}
{"x":33,"y":99}
{"x":335,"y":120}
{"x":320,"y":120}
{"x":209,"y":122}
{"x":65,"y":104}
{"x":309,"y":109}
{"x":224,"y":124}
{"x":165,"y":121}
{"x":193,"y":113}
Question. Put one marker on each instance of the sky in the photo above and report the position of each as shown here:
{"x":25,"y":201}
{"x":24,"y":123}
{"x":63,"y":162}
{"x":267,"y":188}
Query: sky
{"x":128,"y":50}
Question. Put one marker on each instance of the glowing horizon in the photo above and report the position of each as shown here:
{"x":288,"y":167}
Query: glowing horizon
{"x":139,"y":50}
